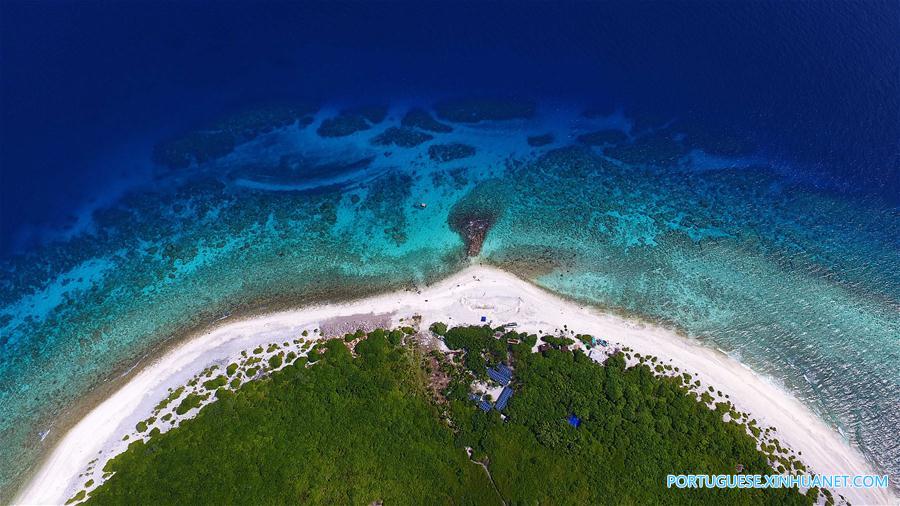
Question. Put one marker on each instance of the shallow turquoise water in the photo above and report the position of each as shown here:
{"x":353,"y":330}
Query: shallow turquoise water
{"x":801,"y":284}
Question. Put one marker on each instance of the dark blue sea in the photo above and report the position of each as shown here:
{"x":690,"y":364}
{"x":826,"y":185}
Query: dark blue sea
{"x":730,"y":169}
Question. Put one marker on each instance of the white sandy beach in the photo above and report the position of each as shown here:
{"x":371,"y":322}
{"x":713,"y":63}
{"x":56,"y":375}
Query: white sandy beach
{"x":461,"y":299}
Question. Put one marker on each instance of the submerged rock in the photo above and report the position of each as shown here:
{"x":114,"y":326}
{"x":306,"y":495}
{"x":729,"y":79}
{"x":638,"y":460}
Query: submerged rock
{"x":195,"y":147}
{"x":599,"y":110}
{"x":603,"y":137}
{"x":420,"y":118}
{"x":449,"y":152}
{"x":219,"y":138}
{"x":473,"y":216}
{"x":401,"y":136}
{"x":374,"y":114}
{"x":652,"y":149}
{"x":537,"y":141}
{"x":352,"y":120}
{"x":474,"y":110}
{"x":343,"y":125}
{"x":473,"y":228}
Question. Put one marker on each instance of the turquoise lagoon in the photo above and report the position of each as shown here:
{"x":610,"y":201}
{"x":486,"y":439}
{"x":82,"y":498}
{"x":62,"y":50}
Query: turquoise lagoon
{"x":657,"y":220}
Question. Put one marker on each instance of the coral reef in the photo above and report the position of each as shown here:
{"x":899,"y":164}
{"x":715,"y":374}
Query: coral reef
{"x":420,"y":118}
{"x":537,"y":141}
{"x":650,"y":149}
{"x":401,"y":136}
{"x":450,"y":152}
{"x":474,"y":110}
{"x":343,"y":125}
{"x":601,"y":137}
{"x":220,"y":138}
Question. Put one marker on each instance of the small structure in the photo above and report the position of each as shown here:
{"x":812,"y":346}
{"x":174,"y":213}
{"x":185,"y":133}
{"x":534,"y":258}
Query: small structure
{"x":501,"y":374}
{"x":484,"y":405}
{"x":484,"y":318}
{"x":574,"y":421}
{"x":544,"y":347}
{"x":504,"y":398}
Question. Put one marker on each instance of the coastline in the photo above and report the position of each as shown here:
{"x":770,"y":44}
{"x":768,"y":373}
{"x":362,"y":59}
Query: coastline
{"x":118,"y":376}
{"x":460,"y":298}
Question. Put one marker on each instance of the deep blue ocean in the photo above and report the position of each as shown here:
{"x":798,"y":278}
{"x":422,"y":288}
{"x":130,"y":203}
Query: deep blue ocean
{"x":731,"y":169}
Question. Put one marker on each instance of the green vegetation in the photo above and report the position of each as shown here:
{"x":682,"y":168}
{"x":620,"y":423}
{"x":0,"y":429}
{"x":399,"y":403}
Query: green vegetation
{"x":77,"y":497}
{"x":479,"y":344}
{"x":218,"y":381}
{"x":275,"y":361}
{"x":190,"y":402}
{"x":346,"y":431}
{"x":439,"y":328}
{"x":172,"y":396}
{"x":636,"y":428}
{"x":558,"y":341}
{"x":392,"y":425}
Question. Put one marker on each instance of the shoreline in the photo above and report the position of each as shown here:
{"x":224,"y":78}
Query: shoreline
{"x":460,"y":298}
{"x":55,"y":428}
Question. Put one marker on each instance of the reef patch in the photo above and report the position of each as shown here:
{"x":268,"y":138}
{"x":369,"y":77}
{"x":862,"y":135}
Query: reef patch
{"x":422,"y":119}
{"x":473,"y":216}
{"x":603,"y":137}
{"x":403,"y":137}
{"x":474,"y":110}
{"x":537,"y":141}
{"x":449,"y":152}
{"x":219,"y":138}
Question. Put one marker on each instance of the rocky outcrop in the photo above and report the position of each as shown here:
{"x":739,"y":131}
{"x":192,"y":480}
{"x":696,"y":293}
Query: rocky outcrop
{"x":473,"y":228}
{"x":473,"y":216}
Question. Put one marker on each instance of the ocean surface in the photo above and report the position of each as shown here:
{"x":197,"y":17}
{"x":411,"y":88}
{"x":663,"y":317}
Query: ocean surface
{"x":730,"y":170}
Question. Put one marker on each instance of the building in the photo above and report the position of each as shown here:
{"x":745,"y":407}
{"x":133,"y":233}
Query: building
{"x":504,"y":398}
{"x":501,"y":374}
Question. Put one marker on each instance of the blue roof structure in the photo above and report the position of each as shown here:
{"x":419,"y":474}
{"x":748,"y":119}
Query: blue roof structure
{"x":501,"y":374}
{"x":484,"y":318}
{"x":504,"y":398}
{"x":484,"y":405}
{"x":573,"y":420}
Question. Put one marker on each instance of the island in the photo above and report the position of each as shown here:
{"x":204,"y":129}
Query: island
{"x":479,"y":389}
